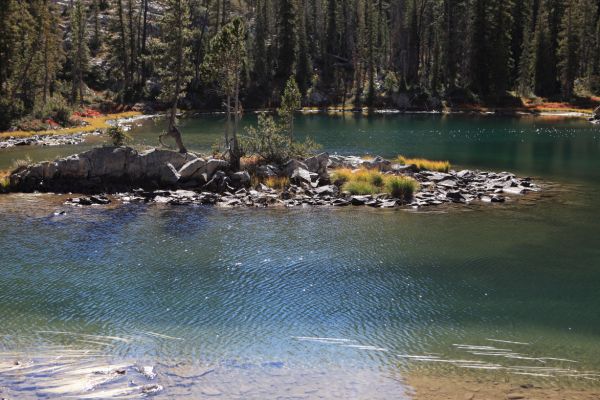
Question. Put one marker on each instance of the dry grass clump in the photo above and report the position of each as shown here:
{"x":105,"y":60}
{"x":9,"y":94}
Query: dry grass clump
{"x":359,"y":188}
{"x":424,"y":164}
{"x":277,"y":182}
{"x":274,"y":182}
{"x":365,"y":181}
{"x":401,"y":187}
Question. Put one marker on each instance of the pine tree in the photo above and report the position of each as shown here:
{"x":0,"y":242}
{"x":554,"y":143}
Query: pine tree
{"x":79,"y":52}
{"x":290,"y":103}
{"x":287,"y":40}
{"x":174,"y":60}
{"x":223,"y":64}
{"x":568,"y":50}
{"x":543,"y":72}
{"x":303,"y":69}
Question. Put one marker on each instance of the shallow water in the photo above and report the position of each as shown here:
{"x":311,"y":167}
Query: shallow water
{"x":317,"y":302}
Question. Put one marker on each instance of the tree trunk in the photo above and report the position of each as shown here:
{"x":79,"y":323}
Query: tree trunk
{"x":235,"y":154}
{"x":127,"y":84}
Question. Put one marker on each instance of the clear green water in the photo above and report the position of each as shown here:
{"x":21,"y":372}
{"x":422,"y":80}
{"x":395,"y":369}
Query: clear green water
{"x":241,"y":286}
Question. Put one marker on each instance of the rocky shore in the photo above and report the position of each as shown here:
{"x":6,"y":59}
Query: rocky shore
{"x":164,"y":176}
{"x":47,"y":140}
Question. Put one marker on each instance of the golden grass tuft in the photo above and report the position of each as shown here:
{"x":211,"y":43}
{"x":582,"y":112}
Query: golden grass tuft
{"x":365,"y":181}
{"x":4,"y":180}
{"x":401,"y":187}
{"x":274,"y":182}
{"x":424,"y":164}
{"x":93,"y":124}
{"x":277,"y":182}
{"x":359,"y":188}
{"x":342,"y":175}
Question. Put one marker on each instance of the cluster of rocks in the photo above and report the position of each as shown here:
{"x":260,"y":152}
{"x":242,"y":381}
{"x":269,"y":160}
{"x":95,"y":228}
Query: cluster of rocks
{"x":164,"y":176}
{"x":468,"y":186}
{"x":47,"y":140}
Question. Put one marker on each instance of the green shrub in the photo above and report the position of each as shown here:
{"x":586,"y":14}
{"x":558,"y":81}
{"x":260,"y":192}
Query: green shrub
{"x":359,"y":188}
{"x":401,"y":187}
{"x":271,"y":141}
{"x":118,"y":136}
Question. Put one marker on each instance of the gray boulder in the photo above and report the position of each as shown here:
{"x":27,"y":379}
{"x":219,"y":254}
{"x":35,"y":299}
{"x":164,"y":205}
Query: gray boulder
{"x":153,"y":160}
{"x":318,"y":164}
{"x":169,"y":175}
{"x":291,"y":166}
{"x":240,"y":179}
{"x":109,"y":161}
{"x":300,"y":175}
{"x":74,"y":167}
{"x":380,"y":163}
{"x":214,"y":165}
{"x":267,"y":171}
{"x":192,"y":169}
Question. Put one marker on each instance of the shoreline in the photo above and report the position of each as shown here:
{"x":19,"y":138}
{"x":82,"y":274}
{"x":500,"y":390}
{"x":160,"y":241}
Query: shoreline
{"x":93,"y":124}
{"x":96,"y":124}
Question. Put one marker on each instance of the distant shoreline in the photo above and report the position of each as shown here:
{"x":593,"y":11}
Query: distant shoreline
{"x":103,"y":121}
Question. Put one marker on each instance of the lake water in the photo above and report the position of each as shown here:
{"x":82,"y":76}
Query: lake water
{"x":312,"y":302}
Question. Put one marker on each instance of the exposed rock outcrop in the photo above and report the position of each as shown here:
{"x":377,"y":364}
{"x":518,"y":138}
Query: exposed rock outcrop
{"x":113,"y":169}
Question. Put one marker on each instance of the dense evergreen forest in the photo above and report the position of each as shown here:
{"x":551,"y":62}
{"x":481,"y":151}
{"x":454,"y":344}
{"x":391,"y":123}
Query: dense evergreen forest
{"x":56,"y":55}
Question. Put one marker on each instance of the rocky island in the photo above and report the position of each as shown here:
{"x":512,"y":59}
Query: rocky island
{"x":165,"y":176}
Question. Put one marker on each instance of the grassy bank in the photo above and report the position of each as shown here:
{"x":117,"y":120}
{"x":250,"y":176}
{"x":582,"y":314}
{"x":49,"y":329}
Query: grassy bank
{"x":93,"y":124}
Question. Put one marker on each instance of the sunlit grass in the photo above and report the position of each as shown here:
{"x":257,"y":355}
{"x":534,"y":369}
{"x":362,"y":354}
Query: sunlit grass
{"x":273,"y":182}
{"x":277,"y":182}
{"x":93,"y":124}
{"x":424,"y":164}
{"x":364,"y":181}
{"x":359,"y":188}
{"x":401,"y":187}
{"x":341,"y":176}
{"x":4,"y":180}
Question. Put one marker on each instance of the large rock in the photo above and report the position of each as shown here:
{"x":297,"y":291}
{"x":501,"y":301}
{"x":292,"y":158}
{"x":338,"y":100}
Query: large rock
{"x":169,"y":175}
{"x":267,"y":171}
{"x":153,"y":160}
{"x":240,"y":179}
{"x":318,"y":164}
{"x":74,"y":167}
{"x":193,"y":169}
{"x":380,"y":163}
{"x":301,"y":175}
{"x":214,"y":165}
{"x":291,"y":166}
{"x":108,"y":162}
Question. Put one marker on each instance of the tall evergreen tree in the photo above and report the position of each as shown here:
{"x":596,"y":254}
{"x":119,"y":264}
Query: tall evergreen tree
{"x":287,"y":40}
{"x":568,"y":48}
{"x":174,"y":60}
{"x":79,"y":51}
